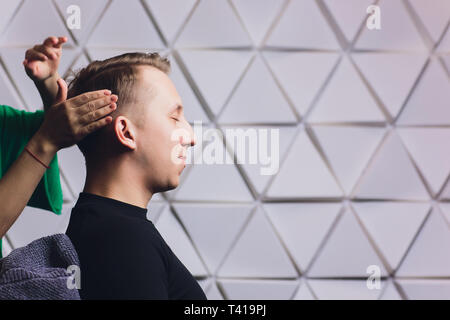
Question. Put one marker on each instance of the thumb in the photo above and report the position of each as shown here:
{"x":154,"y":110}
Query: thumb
{"x":62,"y":91}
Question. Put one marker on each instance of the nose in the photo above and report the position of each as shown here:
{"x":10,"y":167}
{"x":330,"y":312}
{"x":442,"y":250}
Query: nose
{"x":191,"y":139}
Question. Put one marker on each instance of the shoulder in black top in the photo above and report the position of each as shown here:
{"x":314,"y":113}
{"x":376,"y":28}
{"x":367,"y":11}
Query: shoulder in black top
{"x":123,"y":256}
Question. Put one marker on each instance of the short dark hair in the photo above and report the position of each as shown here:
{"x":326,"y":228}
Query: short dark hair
{"x":117,"y":74}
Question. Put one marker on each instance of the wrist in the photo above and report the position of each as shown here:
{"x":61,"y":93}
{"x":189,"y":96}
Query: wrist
{"x":48,"y":89}
{"x":49,"y":80}
{"x":41,"y":145}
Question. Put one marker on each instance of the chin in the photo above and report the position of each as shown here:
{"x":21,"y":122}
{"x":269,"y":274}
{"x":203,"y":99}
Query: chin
{"x":173,"y":183}
{"x":170,"y":184}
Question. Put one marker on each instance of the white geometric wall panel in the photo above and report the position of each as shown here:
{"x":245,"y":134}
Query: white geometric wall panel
{"x":364,"y":124}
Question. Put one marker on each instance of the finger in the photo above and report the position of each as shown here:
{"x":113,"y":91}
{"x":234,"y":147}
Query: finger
{"x":96,"y":104}
{"x":88,"y":96}
{"x":97,"y":114}
{"x":50,"y":41}
{"x":62,"y":91}
{"x":94,"y":126}
{"x":60,"y":42}
{"x":31,"y":55}
{"x":48,"y":51}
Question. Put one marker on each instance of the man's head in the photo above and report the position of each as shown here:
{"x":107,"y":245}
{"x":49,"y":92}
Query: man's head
{"x":149,"y":130}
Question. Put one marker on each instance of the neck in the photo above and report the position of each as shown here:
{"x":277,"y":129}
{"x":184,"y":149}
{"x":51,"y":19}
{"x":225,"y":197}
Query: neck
{"x":119,"y":180}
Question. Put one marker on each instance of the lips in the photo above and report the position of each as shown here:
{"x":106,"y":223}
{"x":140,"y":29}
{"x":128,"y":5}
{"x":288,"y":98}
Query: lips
{"x":184,"y":160}
{"x":183,"y":163}
{"x":182,"y":156}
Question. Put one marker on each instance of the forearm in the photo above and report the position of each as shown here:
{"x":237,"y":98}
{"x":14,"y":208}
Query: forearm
{"x":21,"y":179}
{"x":48,"y":89}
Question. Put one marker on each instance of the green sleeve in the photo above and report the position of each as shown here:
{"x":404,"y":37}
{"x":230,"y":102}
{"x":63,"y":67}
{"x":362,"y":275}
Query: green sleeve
{"x":16,"y":129}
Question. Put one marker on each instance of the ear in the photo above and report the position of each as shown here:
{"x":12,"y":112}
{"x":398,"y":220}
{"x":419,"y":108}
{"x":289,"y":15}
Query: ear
{"x":125,"y":132}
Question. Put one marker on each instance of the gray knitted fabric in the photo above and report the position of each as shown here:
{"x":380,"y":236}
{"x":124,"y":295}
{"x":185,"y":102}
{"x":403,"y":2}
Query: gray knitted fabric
{"x":38,"y":271}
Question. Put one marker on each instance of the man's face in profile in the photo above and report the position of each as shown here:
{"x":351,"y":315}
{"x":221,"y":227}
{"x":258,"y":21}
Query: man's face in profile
{"x":158,"y":149}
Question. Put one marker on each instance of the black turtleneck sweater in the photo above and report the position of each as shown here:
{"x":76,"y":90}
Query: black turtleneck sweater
{"x":123,"y":256}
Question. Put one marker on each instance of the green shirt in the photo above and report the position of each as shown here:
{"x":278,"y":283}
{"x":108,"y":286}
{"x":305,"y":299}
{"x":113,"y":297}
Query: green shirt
{"x":16,"y":129}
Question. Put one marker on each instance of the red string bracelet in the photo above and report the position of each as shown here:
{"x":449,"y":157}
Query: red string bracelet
{"x":31,"y":153}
